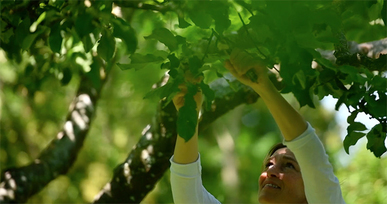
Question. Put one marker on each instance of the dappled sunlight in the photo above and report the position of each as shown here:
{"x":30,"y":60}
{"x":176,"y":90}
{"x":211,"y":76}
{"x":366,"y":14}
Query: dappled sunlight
{"x":97,"y":176}
{"x":54,"y":52}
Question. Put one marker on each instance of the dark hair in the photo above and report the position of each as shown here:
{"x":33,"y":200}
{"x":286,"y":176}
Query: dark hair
{"x":275,"y":148}
{"x":271,"y":152}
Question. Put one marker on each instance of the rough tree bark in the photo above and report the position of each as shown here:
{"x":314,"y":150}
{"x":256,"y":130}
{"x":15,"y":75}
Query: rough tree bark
{"x":19,"y":184}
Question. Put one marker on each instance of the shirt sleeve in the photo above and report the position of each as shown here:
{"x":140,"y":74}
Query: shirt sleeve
{"x":186,"y":183}
{"x":321,"y":185}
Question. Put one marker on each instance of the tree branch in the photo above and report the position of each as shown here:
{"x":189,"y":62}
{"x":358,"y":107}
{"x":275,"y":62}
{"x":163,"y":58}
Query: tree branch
{"x":147,"y":162}
{"x":18,"y":184}
{"x":369,"y":54}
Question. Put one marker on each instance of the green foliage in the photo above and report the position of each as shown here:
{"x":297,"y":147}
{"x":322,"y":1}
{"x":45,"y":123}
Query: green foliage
{"x":53,"y":42}
{"x":279,"y":33}
{"x":60,"y":35}
{"x":64,"y":38}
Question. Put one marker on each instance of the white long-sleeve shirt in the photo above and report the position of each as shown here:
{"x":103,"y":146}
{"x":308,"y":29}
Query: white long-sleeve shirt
{"x":321,"y":185}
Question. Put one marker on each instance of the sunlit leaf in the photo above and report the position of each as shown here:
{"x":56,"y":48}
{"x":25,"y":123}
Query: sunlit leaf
{"x":164,"y":36}
{"x":37,"y":22}
{"x":139,"y":61}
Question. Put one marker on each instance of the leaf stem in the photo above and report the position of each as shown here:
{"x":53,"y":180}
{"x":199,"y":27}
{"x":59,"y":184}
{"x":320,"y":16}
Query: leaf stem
{"x":208,"y":46}
{"x":248,"y":34}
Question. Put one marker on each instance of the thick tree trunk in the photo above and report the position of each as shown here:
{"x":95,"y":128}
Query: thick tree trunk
{"x":19,"y":184}
{"x":149,"y":159}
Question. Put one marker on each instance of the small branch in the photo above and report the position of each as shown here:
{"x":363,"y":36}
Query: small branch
{"x":208,"y":45}
{"x":251,"y":38}
{"x":369,"y":54}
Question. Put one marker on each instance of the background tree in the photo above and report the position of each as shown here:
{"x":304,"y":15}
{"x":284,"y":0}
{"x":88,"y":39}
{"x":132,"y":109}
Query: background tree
{"x":55,"y":52}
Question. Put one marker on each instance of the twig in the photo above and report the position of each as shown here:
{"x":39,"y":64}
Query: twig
{"x":208,"y":46}
{"x":248,"y":34}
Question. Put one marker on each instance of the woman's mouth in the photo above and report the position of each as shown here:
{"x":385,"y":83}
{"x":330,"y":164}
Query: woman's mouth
{"x":271,"y":186}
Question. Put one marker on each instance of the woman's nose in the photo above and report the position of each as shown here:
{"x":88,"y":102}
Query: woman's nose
{"x":273,"y":171}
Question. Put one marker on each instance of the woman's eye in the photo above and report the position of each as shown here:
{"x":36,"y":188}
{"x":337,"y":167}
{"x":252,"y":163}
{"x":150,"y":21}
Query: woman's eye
{"x":290,"y":165}
{"x":268,"y":164}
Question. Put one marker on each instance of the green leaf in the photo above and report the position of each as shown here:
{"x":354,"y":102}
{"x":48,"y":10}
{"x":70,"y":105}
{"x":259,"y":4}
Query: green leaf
{"x":356,"y":126}
{"x":376,"y":138}
{"x":175,"y":62}
{"x":183,"y":23}
{"x":377,"y":107}
{"x":166,"y":92}
{"x":107,"y":46}
{"x":300,"y":76}
{"x":67,"y":75}
{"x":200,"y":18}
{"x":341,"y":100}
{"x":22,"y":30}
{"x":351,"y":118}
{"x":304,"y":97}
{"x":219,"y":12}
{"x":187,"y":117}
{"x":83,"y":24}
{"x":94,"y":74}
{"x":55,"y":38}
{"x":326,"y":63}
{"x":30,"y":38}
{"x":208,"y":93}
{"x":164,"y":36}
{"x":6,"y":32}
{"x":124,"y":31}
{"x":139,"y":61}
{"x":37,"y":22}
{"x":180,"y":40}
{"x":351,"y":139}
{"x":87,"y":43}
{"x":195,"y":64}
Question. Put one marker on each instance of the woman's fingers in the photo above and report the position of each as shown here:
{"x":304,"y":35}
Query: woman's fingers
{"x":241,"y":61}
{"x":178,"y":99}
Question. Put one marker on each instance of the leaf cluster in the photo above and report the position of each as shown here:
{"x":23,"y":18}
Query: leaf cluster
{"x":68,"y":37}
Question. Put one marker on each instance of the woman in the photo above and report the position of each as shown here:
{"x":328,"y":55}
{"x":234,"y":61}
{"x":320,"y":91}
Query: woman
{"x":297,"y":171}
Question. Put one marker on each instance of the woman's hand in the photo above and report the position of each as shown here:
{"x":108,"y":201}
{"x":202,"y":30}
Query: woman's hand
{"x":241,"y":62}
{"x":178,"y":99}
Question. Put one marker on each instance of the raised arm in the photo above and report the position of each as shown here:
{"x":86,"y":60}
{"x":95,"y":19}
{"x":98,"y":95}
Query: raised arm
{"x":186,"y":179}
{"x":289,"y":121}
{"x":186,"y":152}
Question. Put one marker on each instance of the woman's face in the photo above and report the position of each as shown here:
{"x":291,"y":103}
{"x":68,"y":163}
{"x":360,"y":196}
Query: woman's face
{"x":281,"y":181}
